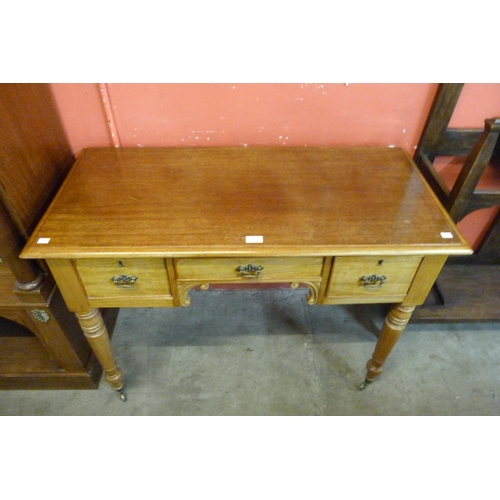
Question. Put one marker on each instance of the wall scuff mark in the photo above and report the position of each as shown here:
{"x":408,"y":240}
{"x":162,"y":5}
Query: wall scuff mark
{"x":108,"y":111}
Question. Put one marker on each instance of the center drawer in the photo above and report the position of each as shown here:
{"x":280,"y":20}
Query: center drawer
{"x":247,"y":269}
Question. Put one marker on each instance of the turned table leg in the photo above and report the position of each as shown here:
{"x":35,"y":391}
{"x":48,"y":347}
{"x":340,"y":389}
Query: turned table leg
{"x":95,"y":331}
{"x":394,"y":325}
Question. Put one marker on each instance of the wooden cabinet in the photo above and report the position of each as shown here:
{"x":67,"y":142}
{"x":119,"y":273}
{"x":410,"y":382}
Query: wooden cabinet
{"x":41,"y":343}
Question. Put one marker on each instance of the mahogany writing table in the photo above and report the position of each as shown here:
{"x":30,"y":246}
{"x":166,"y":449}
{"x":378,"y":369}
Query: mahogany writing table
{"x":141,"y":227}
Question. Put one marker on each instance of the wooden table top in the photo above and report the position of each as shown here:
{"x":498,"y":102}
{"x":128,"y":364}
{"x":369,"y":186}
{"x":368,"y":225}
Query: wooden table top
{"x":205,"y":202}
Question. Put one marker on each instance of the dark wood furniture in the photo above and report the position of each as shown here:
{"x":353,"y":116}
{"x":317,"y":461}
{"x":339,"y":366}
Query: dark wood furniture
{"x":467,"y":289}
{"x":41,"y":345}
{"x":142,"y":227}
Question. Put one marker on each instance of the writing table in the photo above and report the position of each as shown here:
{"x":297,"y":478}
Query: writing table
{"x":141,"y":227}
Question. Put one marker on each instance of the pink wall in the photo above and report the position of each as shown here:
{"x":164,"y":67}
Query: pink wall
{"x":253,"y":114}
{"x":142,"y":115}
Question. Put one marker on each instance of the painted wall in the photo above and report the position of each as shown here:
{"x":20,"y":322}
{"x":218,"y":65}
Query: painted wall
{"x":253,"y":114}
{"x":141,"y":115}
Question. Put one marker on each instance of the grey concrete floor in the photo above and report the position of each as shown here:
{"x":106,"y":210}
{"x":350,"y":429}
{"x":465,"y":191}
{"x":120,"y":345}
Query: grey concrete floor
{"x":269,"y":353}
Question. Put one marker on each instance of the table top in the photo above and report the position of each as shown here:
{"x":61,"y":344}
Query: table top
{"x":207,"y":202}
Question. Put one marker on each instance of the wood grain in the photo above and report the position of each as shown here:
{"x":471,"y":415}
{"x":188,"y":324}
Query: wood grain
{"x":176,"y":202}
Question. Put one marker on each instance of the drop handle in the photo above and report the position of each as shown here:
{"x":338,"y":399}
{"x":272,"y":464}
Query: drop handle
{"x":372,"y":281}
{"x":249,"y":271}
{"x":124,"y":281}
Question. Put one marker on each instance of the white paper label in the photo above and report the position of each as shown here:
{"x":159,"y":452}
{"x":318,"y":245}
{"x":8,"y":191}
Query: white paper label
{"x":446,"y":234}
{"x":254,"y":239}
{"x":43,"y":241}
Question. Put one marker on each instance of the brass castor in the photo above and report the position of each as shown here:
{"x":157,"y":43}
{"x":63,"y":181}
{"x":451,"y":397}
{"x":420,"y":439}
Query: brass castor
{"x":364,"y":384}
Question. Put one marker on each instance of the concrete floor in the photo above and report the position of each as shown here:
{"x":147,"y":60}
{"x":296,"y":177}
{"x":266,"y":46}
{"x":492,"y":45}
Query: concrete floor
{"x":269,"y":353}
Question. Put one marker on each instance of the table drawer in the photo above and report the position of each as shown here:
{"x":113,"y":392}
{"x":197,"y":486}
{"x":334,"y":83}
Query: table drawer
{"x":247,"y":269}
{"x":371,"y":277}
{"x":123,"y":277}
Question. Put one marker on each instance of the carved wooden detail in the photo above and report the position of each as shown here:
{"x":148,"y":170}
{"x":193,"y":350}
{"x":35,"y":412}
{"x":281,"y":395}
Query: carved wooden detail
{"x":394,"y":325}
{"x":95,"y":331}
{"x":185,"y":288}
{"x":313,"y":295}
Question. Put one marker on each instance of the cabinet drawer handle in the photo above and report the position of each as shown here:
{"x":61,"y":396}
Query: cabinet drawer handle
{"x":250,"y":271}
{"x":373,"y":281}
{"x":124,"y":281}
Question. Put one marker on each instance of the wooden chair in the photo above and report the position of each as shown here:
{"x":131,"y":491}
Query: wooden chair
{"x":467,"y":288}
{"x":438,"y":140}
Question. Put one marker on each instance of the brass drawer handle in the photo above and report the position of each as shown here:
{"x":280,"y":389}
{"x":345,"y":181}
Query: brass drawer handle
{"x":124,"y":281}
{"x":373,"y":281}
{"x":250,"y":271}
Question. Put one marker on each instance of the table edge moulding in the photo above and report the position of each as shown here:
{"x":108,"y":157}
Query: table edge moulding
{"x":142,"y":227}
